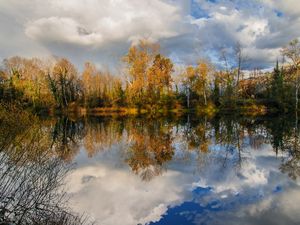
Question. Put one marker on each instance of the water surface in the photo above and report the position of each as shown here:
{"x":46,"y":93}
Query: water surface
{"x":186,"y":170}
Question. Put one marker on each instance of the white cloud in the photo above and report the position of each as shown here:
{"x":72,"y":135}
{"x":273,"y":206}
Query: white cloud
{"x":97,"y":23}
{"x":262,"y":27}
{"x":102,"y":30}
{"x":55,"y":29}
{"x":97,"y":30}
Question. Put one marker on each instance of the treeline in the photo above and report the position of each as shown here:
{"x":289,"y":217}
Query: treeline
{"x":150,"y":82}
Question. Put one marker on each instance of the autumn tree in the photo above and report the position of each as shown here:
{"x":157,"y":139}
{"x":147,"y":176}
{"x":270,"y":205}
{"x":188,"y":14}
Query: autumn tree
{"x":119,"y":96}
{"x":101,"y":89}
{"x":64,"y":83}
{"x":149,"y":74}
{"x":196,"y":82}
{"x":159,"y":81}
{"x":88,"y":82}
{"x":138,"y":60}
{"x":204,"y":70}
{"x":188,"y":81}
{"x":26,"y":80}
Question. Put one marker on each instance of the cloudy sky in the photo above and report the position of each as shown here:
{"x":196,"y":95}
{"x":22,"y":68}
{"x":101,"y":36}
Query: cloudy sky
{"x":102,"y":30}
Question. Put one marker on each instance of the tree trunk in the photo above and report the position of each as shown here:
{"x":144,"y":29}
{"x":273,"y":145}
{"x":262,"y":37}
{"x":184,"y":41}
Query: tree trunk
{"x":297,"y":91}
{"x":239,"y":72}
{"x":188,"y":97}
{"x":205,"y":99}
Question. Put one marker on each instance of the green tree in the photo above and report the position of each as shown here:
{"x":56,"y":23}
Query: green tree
{"x":277,"y":86}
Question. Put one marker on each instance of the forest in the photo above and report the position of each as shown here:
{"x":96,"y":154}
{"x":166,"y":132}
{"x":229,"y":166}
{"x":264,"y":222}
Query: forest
{"x":149,"y":82}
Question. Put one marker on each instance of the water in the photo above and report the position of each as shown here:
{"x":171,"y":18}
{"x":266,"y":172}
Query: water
{"x":178,"y":170}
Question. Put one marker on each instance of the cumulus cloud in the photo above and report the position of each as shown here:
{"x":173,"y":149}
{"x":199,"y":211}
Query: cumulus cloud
{"x":100,"y":22}
{"x":261,"y":27}
{"x":56,"y":29}
{"x":93,"y":30}
{"x":101,"y":31}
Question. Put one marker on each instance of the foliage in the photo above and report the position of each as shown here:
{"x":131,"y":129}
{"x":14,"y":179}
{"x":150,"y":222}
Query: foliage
{"x":151,"y":83}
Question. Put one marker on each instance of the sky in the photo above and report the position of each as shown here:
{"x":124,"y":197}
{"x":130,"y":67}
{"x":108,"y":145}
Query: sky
{"x":101,"y":31}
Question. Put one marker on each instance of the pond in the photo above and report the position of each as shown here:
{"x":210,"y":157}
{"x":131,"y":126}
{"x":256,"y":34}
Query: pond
{"x":176,"y":170}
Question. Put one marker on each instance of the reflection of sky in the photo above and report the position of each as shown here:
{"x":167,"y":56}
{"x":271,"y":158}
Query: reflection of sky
{"x":195,"y":189}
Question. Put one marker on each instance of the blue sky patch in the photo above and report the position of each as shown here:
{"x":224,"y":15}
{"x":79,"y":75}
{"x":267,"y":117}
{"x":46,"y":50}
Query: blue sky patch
{"x":197,"y":11}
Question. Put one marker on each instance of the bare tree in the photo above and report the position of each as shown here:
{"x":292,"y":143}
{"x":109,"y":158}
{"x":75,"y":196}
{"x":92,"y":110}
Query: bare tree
{"x":31,"y":178}
{"x":292,"y":52}
{"x":223,"y":57}
{"x":239,"y":60}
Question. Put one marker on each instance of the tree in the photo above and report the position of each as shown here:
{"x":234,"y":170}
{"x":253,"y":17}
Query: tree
{"x":139,"y":59}
{"x":277,"y":89}
{"x":201,"y":85}
{"x":31,"y":176}
{"x":26,"y":79}
{"x":239,"y":60}
{"x":197,"y":83}
{"x":149,"y":75}
{"x":159,"y":79}
{"x":188,"y":80}
{"x":292,"y":52}
{"x":216,"y":90}
{"x":88,"y":84}
{"x":119,"y":94}
{"x":64,"y":83}
{"x":226,"y":78}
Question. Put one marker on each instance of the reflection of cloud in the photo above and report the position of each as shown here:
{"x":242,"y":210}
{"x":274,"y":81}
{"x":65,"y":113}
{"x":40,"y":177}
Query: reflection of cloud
{"x":285,"y":204}
{"x":114,"y":195}
{"x":117,"y":196}
{"x":275,"y":209}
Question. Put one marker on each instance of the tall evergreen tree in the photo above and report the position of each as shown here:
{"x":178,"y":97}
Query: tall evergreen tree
{"x":277,"y":87}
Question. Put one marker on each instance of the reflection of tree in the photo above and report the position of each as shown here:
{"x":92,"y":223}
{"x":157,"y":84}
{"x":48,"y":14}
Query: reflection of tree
{"x":151,"y":147}
{"x":65,"y":137}
{"x":291,"y":145}
{"x":101,"y":133}
{"x":292,"y":166}
{"x":284,"y":137}
{"x":22,"y":130}
{"x":236,"y":133}
{"x":199,"y":137}
{"x":151,"y":141}
{"x":31,"y":177}
{"x":280,"y":132}
{"x":227,"y":133}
